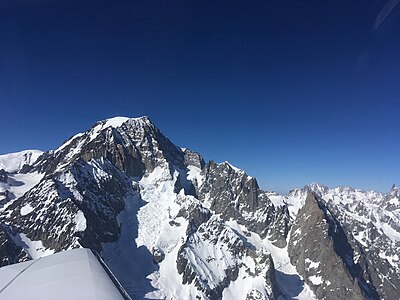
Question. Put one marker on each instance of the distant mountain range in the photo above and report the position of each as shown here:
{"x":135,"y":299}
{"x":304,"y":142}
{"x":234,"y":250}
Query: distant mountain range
{"x":172,"y":226}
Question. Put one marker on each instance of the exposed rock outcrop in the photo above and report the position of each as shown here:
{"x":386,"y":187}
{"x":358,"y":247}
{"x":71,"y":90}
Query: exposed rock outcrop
{"x":3,"y":176}
{"x":10,"y":253}
{"x":321,"y":253}
{"x":235,"y":195}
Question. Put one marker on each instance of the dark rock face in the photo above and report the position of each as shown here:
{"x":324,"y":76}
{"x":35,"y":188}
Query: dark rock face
{"x":280,"y":226}
{"x":376,"y":274}
{"x":4,"y":192}
{"x":223,"y":184}
{"x":193,"y":159}
{"x":10,"y":253}
{"x":137,"y":146}
{"x":207,"y":231}
{"x":321,"y":253}
{"x":3,"y":176}
{"x":270,"y":277}
{"x":265,"y":265}
{"x":212,"y":234}
{"x":235,"y":195}
{"x":195,"y":213}
{"x":58,"y":198}
{"x":158,"y":255}
{"x":4,"y":197}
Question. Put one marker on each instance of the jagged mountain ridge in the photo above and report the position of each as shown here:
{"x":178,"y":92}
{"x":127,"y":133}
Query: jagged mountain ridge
{"x":169,"y":224}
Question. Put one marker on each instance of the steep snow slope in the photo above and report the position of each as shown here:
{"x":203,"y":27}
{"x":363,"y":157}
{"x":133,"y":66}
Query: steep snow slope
{"x":16,"y":186}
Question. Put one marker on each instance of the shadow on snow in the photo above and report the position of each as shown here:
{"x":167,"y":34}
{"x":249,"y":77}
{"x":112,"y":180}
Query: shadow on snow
{"x":129,"y":263}
{"x":291,"y":285}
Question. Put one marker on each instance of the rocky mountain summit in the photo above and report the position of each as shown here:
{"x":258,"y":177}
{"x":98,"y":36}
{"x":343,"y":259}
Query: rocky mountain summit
{"x":172,"y":226}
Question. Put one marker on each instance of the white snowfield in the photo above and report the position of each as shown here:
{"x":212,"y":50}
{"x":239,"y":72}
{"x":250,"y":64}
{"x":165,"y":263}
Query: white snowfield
{"x":17,"y":185}
{"x":74,"y":274}
{"x":13,"y":162}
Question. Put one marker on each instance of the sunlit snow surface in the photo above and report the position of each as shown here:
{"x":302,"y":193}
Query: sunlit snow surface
{"x":80,"y":221}
{"x":157,"y":189}
{"x":35,"y":249}
{"x":18,"y":184}
{"x":145,"y":226}
{"x":288,"y":279}
{"x":26,"y":209}
{"x":13,"y":162}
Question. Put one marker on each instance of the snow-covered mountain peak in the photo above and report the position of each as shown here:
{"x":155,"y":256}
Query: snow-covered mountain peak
{"x":317,"y":187}
{"x":116,"y":122}
{"x":395,"y":189}
{"x":234,"y":168}
{"x":103,"y":125}
{"x":135,"y":145}
{"x":13,"y":162}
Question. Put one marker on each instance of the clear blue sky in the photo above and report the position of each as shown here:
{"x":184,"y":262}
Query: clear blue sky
{"x":290,"y":91}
